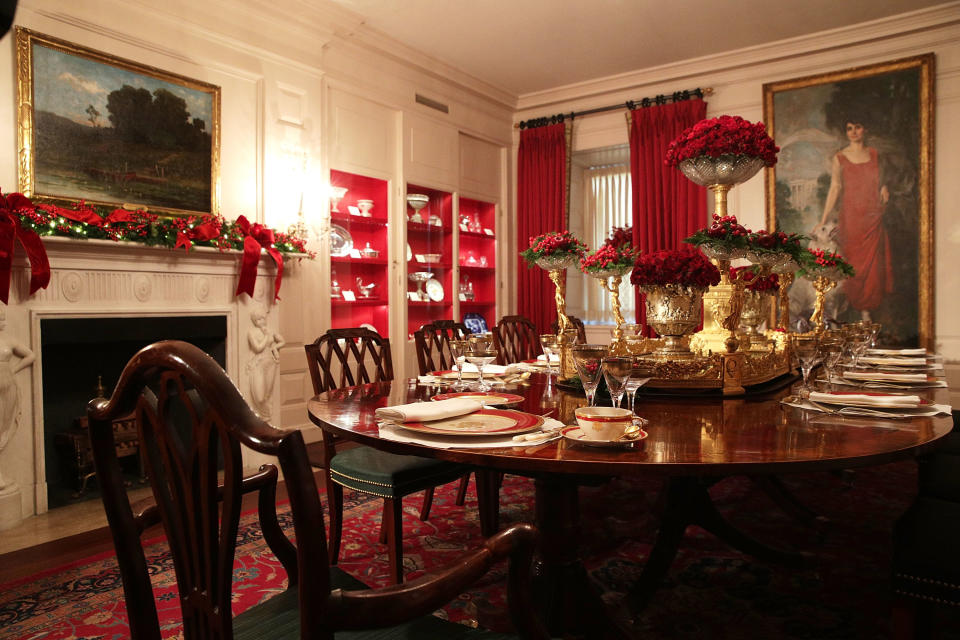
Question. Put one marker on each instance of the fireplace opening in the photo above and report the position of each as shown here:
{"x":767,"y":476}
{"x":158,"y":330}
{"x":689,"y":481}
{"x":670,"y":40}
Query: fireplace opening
{"x":75,"y":353}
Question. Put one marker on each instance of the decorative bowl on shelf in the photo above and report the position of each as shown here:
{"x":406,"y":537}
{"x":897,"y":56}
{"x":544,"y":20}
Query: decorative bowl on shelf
{"x":420,"y":277}
{"x":432,"y":258}
{"x":417,"y":201}
{"x":336,"y":195}
{"x":369,"y":252}
{"x":365,"y":206}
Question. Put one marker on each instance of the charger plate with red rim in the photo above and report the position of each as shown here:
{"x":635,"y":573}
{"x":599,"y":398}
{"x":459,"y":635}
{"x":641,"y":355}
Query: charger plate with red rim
{"x":483,"y":397}
{"x":485,"y":422}
{"x":574,"y":434}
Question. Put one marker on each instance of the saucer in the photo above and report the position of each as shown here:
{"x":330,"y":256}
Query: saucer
{"x":575,"y":434}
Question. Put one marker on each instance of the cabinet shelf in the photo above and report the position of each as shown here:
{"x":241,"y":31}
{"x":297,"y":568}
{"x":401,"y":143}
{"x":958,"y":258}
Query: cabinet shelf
{"x":359,"y":302}
{"x":428,"y":266}
{"x":349,"y":260}
{"x":477,"y":267}
{"x":476,"y":234}
{"x":429,"y":303}
{"x":423,"y":227}
{"x":358,"y":221}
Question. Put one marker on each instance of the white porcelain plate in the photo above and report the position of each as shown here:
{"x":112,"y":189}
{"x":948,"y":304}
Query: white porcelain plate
{"x":434,"y":289}
{"x":409,"y":253}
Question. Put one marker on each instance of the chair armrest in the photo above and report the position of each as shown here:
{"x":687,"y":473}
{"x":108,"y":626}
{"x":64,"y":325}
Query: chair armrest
{"x":403,"y":602}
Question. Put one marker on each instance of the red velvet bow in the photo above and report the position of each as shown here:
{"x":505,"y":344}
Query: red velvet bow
{"x":12,"y":207}
{"x":257,"y":236}
{"x":199,"y":233}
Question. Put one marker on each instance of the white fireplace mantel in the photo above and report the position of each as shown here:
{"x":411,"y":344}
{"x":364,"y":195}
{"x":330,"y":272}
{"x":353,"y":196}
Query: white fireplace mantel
{"x":101,"y":278}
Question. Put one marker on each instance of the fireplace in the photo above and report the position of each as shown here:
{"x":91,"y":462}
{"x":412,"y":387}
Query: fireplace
{"x":125,"y":296}
{"x":75,"y":354}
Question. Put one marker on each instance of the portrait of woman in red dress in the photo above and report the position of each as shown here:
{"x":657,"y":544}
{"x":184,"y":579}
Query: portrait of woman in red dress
{"x":856,"y":185}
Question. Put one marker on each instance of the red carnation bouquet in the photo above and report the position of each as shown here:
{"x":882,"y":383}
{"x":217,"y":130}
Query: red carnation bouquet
{"x":724,"y":233}
{"x":553,"y":244}
{"x":620,"y":236}
{"x":724,"y":135}
{"x":816,"y":262}
{"x":685,"y":266}
{"x":608,"y":257}
{"x":753,"y":282}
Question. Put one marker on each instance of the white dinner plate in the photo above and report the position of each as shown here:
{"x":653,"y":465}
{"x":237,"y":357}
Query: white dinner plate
{"x":434,"y":289}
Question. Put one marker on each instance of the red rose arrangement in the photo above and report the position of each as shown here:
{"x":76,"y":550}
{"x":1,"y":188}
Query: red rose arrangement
{"x":620,"y":236}
{"x":554,"y":244}
{"x":753,"y":282}
{"x":725,"y":135}
{"x":685,"y":266}
{"x":723,"y":232}
{"x":815,"y":261}
{"x":608,"y":257}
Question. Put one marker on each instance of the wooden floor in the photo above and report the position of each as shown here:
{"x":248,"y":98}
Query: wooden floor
{"x":75,"y":532}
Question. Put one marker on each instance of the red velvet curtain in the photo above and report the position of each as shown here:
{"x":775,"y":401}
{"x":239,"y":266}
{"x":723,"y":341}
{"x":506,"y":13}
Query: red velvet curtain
{"x":667,"y":207}
{"x":541,"y":194}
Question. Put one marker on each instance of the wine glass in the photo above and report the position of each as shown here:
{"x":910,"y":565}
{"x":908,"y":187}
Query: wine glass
{"x":588,"y":359}
{"x":831,"y":350}
{"x":857,"y":337}
{"x":873,"y":331}
{"x":548,"y":342}
{"x":807,"y":349}
{"x":458,"y":350}
{"x":480,"y":352}
{"x":640,"y":373}
{"x":616,"y":370}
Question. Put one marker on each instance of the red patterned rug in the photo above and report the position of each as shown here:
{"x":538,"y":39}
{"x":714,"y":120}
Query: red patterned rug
{"x":712,"y":591}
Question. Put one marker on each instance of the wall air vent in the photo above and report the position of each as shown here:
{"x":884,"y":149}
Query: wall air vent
{"x":433,"y":104}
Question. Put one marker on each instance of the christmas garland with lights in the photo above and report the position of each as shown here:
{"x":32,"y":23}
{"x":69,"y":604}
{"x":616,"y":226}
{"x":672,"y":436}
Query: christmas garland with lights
{"x":22,"y":220}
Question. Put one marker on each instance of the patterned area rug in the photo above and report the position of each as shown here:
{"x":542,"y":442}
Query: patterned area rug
{"x":712,"y":591}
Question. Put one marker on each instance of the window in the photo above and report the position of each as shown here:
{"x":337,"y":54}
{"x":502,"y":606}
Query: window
{"x":600,"y":200}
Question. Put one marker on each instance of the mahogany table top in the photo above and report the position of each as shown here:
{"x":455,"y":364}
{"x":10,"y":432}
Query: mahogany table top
{"x":689,"y":435}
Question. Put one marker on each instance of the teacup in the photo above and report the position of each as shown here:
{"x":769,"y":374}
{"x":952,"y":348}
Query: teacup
{"x":604,"y":424}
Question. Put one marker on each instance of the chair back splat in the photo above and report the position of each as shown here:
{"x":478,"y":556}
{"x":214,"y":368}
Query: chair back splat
{"x":432,"y":342}
{"x":516,"y":339}
{"x":348,"y":357}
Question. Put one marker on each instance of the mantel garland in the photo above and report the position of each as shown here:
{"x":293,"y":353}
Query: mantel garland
{"x":22,"y":220}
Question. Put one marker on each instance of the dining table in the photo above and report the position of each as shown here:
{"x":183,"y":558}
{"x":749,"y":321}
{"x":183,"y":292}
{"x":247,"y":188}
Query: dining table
{"x":693,"y":440}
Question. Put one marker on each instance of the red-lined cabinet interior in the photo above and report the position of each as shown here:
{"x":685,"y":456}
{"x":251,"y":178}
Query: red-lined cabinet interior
{"x":430,"y":261}
{"x":477,"y":288}
{"x":359,"y":238}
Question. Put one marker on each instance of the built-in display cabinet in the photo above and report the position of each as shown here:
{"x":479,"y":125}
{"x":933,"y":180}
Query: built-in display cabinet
{"x":359,"y":252}
{"x":477,"y":258}
{"x":430,"y":257}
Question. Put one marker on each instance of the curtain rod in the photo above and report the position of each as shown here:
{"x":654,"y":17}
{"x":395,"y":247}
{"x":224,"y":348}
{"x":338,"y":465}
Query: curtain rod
{"x":676,"y":96}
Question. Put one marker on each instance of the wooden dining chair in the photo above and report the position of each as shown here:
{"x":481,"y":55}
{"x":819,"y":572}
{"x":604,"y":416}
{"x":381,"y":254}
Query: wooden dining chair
{"x":432,"y":344}
{"x":578,"y":325}
{"x":354,"y":356}
{"x":193,"y":424}
{"x":516,"y":339}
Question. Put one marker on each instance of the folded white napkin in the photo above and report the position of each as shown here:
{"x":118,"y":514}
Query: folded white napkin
{"x":553,"y":357}
{"x":441,"y":441}
{"x":863,"y":398}
{"x":919,"y":362}
{"x":426,"y":411}
{"x":897,"y":352}
{"x":892,"y":377}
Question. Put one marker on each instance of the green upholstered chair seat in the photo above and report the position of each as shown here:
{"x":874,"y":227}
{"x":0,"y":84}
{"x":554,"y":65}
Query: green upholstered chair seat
{"x":278,"y":619}
{"x":926,"y":558}
{"x":389,"y":475}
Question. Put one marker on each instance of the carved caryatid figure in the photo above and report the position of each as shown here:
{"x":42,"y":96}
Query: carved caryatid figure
{"x":14,"y":356}
{"x":262,"y":367}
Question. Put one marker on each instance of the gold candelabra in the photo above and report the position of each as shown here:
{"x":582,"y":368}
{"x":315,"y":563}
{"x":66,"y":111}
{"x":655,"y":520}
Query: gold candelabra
{"x":822,"y":285}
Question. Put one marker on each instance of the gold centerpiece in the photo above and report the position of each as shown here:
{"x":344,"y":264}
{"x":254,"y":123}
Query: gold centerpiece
{"x":608,"y":264}
{"x":555,"y":252}
{"x":673,"y":311}
{"x":674,"y":282}
{"x":824,"y":269}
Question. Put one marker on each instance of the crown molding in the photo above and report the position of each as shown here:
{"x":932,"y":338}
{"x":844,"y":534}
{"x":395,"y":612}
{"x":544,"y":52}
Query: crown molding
{"x":801,"y":46}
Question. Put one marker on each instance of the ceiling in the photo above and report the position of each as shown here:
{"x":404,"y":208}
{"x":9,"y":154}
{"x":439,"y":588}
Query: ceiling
{"x":526,"y":46}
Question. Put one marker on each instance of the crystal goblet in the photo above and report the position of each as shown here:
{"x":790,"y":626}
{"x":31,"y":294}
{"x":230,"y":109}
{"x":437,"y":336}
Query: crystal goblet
{"x":588,"y":359}
{"x":616,"y":370}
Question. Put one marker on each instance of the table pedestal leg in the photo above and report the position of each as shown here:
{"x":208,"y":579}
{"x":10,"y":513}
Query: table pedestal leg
{"x":571,"y":605}
{"x":688,"y":502}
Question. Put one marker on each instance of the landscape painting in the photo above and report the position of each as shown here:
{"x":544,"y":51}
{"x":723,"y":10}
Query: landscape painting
{"x":855,"y":174}
{"x":109,"y":131}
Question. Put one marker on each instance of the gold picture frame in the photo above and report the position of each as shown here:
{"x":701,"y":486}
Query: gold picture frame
{"x":110,"y":131}
{"x":860,"y":142}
